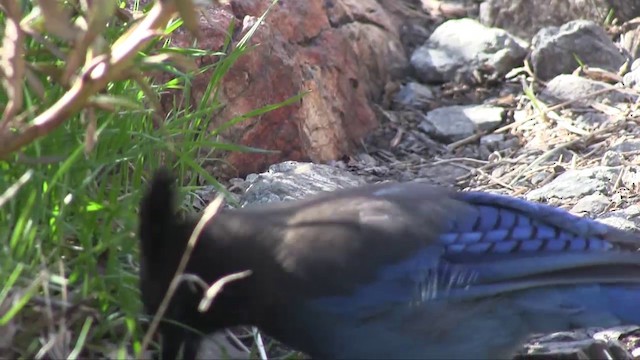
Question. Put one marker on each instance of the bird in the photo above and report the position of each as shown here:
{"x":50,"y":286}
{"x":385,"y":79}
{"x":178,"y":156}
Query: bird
{"x":392,"y":270}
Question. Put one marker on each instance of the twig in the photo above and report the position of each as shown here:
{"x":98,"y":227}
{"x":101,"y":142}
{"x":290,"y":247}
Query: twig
{"x":13,"y":189}
{"x":471,"y":170}
{"x":217,"y":286}
{"x":101,"y":71}
{"x":558,"y":106}
{"x":547,"y":112}
{"x":556,"y":149}
{"x":236,"y":341}
{"x":259,"y":343}
{"x":467,"y":140}
{"x":616,"y":185}
{"x":440,"y":161}
{"x":494,"y":179}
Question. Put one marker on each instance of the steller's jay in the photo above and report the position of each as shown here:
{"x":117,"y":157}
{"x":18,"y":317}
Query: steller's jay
{"x":391,"y":271}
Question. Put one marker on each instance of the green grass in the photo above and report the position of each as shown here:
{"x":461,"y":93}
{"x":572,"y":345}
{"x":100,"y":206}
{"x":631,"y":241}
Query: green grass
{"x":68,"y":247}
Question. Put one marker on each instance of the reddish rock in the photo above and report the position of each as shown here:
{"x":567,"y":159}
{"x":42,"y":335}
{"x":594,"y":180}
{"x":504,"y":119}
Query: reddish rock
{"x":342,"y":51}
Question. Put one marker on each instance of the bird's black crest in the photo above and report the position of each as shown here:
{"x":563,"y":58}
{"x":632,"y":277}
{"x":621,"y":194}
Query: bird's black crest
{"x":157,"y":214}
{"x":163,"y":236}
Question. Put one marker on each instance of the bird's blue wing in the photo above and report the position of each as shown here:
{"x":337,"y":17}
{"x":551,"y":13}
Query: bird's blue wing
{"x":495,"y":244}
{"x":466,"y":275}
{"x":517,"y":244}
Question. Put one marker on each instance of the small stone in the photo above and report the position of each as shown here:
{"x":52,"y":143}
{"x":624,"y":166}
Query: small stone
{"x":451,"y":123}
{"x":414,"y":95}
{"x":577,"y":183}
{"x":492,"y":141}
{"x":619,"y":222}
{"x":631,"y":178}
{"x":591,"y":204}
{"x":445,"y":173}
{"x":577,"y":89}
{"x":295,"y":180}
{"x":611,"y":158}
{"x":498,"y":171}
{"x":555,"y":49}
{"x":539,"y":177}
{"x":252,"y":177}
{"x":367,"y":160}
{"x":512,"y":143}
{"x":590,"y":119}
{"x":632,"y":78}
{"x":627,"y":145}
{"x":451,"y":54}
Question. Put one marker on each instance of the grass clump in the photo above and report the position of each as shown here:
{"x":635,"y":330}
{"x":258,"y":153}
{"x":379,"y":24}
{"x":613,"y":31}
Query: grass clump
{"x":69,"y":195}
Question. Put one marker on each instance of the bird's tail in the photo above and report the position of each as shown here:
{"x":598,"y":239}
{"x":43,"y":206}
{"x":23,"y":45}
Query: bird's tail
{"x":625,"y":302}
{"x":561,"y":308}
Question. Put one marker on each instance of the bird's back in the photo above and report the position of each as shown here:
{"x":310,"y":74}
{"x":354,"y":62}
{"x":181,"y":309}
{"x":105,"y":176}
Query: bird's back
{"x":435,"y":274}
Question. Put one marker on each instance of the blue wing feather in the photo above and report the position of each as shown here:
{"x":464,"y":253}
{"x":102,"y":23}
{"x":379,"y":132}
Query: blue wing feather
{"x":502,"y":224}
{"x":492,"y":247}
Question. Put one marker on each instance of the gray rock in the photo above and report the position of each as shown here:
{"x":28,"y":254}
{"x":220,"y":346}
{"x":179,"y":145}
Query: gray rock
{"x":590,"y":119}
{"x":413,"y":33}
{"x":367,"y":160}
{"x":524,"y":18}
{"x":627,"y":219}
{"x":627,"y":145}
{"x":436,"y":65}
{"x":630,"y":42}
{"x":571,"y":87}
{"x":555,"y":49}
{"x":611,"y":158}
{"x":631,"y":178}
{"x":441,"y":174}
{"x":492,"y":141}
{"x":450,"y":54}
{"x":539,"y":177}
{"x":577,"y":183}
{"x":291,"y":180}
{"x":632,"y":78}
{"x":591,"y":204}
{"x":453,"y":123}
{"x":414,"y":95}
{"x":217,"y":346}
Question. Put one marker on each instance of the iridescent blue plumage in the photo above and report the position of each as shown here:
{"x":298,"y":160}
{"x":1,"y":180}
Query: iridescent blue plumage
{"x":510,"y":225}
{"x":530,"y":267}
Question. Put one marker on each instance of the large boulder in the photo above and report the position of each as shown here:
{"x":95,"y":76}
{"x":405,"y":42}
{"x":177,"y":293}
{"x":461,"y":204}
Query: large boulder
{"x":342,"y":51}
